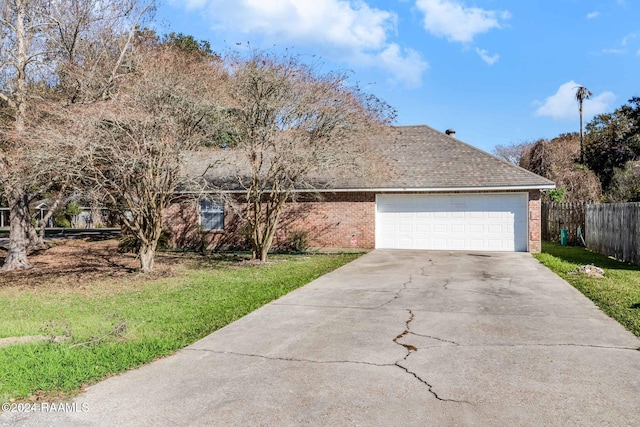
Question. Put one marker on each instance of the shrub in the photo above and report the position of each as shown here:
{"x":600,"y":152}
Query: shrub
{"x":298,"y":241}
{"x":557,"y":194}
{"x":61,"y":220}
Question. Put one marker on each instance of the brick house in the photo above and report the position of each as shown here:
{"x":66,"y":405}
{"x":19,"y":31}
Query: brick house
{"x":436,"y":192}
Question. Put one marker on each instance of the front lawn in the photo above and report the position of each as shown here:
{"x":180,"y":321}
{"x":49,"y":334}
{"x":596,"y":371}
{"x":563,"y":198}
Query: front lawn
{"x":617,"y":294}
{"x":95,"y":327}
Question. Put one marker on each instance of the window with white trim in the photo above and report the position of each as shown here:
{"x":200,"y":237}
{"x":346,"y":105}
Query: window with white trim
{"x":211,"y":214}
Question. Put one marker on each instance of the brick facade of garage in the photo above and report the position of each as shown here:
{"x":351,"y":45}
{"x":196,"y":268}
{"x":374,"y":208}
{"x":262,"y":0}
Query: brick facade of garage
{"x":339,"y":220}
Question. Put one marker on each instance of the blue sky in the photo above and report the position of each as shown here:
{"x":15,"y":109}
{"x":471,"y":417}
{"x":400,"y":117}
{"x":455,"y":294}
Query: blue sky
{"x":497,"y":71}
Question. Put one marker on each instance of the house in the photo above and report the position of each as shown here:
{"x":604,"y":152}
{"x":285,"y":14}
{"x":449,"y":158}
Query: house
{"x":434,"y":192}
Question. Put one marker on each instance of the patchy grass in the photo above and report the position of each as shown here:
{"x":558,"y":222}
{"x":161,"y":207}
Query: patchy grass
{"x":617,"y":294}
{"x":114,"y":323}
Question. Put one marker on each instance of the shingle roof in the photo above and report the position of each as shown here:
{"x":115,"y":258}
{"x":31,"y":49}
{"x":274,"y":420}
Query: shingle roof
{"x":409,"y":157}
{"x":422,"y":157}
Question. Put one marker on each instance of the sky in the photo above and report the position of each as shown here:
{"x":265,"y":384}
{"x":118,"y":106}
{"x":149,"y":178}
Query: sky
{"x":497,"y":71}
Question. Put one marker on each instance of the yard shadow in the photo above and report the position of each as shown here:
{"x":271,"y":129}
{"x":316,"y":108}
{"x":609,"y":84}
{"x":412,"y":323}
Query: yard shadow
{"x":582,"y":256}
{"x":198,"y":260}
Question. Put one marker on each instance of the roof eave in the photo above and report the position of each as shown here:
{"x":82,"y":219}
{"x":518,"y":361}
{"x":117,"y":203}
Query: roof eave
{"x":402,"y":190}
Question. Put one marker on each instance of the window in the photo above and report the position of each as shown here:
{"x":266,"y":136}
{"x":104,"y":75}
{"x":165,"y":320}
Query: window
{"x":212,"y":214}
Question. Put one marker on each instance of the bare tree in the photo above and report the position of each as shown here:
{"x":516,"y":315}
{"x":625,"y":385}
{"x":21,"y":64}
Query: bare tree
{"x":290,"y":126}
{"x":137,"y":139}
{"x":514,"y":153}
{"x":51,"y":52}
{"x":556,"y":160}
{"x":582,"y":93}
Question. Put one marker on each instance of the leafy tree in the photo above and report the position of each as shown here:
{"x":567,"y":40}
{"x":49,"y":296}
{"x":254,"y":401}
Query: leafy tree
{"x":557,"y":195}
{"x":625,"y":184}
{"x":582,"y":93}
{"x":189,"y":44}
{"x":612,"y":140}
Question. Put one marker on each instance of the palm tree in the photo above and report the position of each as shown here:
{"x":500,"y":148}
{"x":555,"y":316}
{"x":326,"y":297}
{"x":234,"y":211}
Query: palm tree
{"x":582,"y":93}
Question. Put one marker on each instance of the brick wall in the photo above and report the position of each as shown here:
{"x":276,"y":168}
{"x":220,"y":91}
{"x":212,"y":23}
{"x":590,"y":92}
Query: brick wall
{"x":181,"y":220}
{"x":535,"y":225}
{"x":338,"y":220}
{"x":334,"y":220}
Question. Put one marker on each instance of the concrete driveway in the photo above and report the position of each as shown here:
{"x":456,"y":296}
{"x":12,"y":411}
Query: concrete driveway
{"x":394,"y":338}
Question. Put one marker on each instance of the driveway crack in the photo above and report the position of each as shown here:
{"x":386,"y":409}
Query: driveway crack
{"x":396,"y":295}
{"x":434,"y":338}
{"x":411,"y":349}
{"x":291,"y":359}
{"x":605,"y":347}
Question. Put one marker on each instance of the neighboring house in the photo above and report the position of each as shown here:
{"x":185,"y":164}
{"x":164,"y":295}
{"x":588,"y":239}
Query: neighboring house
{"x":432,"y":191}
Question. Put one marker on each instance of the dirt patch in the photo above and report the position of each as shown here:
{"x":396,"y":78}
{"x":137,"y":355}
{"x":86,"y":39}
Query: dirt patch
{"x":77,"y":264}
{"x":4,"y":342}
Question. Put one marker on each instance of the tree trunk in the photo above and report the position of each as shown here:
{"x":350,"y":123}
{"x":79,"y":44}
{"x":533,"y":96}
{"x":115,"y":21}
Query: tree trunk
{"x":264,"y":226}
{"x":147,"y":256}
{"x":18,"y":207}
{"x":581,"y":137}
{"x":42,"y":225}
{"x":36,"y":240}
{"x":263,"y":254}
{"x":148,"y":239}
{"x":16,"y":258}
{"x":96,"y":216}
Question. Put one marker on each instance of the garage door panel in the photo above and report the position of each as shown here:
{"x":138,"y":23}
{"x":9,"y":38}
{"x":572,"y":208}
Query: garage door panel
{"x":406,"y":228}
{"x":453,"y":222}
{"x":458,"y":228}
{"x":476,"y":244}
{"x":494,"y":228}
{"x":440,"y":228}
{"x":476,"y":228}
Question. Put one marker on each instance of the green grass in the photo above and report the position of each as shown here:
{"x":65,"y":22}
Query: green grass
{"x":617,"y":294}
{"x":142,"y":320}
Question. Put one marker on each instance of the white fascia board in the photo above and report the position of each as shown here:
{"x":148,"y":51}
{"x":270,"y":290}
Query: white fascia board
{"x":403,"y":190}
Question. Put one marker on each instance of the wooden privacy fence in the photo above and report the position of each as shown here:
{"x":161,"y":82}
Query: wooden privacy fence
{"x":613,"y":229}
{"x":558,"y":216}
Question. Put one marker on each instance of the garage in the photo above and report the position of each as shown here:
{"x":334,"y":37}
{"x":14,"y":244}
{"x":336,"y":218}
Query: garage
{"x":475,"y":222}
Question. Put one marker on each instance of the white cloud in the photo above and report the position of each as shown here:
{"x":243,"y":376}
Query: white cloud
{"x":407,"y":67}
{"x":457,"y":22}
{"x":342,"y":29}
{"x":593,"y":15}
{"x":613,"y":51}
{"x":191,"y":4}
{"x":629,"y":37}
{"x":563,"y":105}
{"x":489,"y":59}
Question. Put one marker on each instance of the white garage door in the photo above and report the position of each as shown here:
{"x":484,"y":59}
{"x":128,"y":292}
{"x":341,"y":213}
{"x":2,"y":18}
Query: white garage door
{"x":491,"y":222}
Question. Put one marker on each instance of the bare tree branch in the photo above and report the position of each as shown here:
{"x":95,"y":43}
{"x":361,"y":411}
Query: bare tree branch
{"x":291,"y":126}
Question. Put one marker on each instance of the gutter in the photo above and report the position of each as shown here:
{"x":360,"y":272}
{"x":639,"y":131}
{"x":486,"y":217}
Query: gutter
{"x":394,"y":190}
